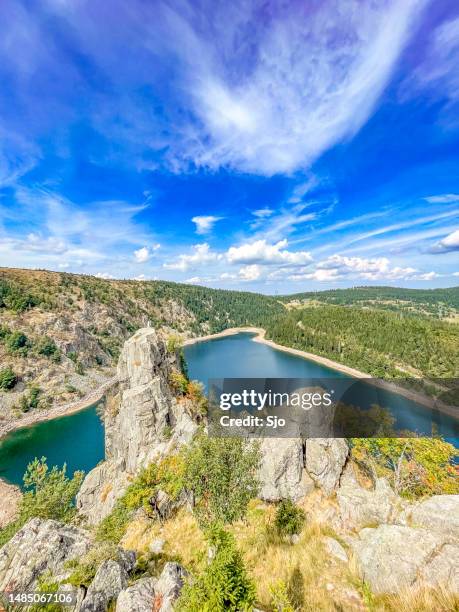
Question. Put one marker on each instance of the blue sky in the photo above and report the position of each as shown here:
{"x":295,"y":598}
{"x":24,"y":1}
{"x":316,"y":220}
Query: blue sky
{"x":269,"y":146}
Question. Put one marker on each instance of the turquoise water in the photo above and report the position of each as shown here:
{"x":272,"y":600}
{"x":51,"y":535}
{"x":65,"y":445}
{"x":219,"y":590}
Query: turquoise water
{"x":78,"y":439}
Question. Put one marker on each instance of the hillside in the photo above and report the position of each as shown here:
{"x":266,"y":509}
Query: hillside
{"x":60,"y":333}
{"x":434,"y":303}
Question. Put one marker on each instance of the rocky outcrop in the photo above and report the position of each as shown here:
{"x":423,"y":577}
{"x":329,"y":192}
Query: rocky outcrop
{"x":40,"y":546}
{"x":282,"y":474}
{"x":324,"y":461}
{"x":292,"y":467}
{"x":153,"y":594}
{"x":360,"y":507}
{"x":110,"y":579}
{"x":391,"y":557}
{"x":140,"y":414}
{"x":438,"y":514}
{"x":140,"y":597}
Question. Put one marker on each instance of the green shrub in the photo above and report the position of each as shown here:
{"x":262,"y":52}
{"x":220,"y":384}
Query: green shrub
{"x":167,"y":475}
{"x":7,"y":378}
{"x":47,"y":347}
{"x":222,"y":474}
{"x":31,"y":399}
{"x":224,"y":584}
{"x":17,"y":342}
{"x":49,"y":494}
{"x":289,"y":518}
{"x":46,"y":584}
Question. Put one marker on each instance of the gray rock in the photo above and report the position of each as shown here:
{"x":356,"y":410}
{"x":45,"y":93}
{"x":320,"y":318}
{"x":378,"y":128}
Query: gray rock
{"x":139,"y":597}
{"x":361,"y":507}
{"x":134,"y":426}
{"x":168,"y":586}
{"x":335,"y":549}
{"x":282,"y":473}
{"x":324,"y":461}
{"x":40,"y":546}
{"x":439,"y":514}
{"x":391,"y":557}
{"x":110,"y":579}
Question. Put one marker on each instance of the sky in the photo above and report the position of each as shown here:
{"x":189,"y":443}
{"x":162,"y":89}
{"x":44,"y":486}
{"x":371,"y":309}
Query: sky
{"x":266,"y":145}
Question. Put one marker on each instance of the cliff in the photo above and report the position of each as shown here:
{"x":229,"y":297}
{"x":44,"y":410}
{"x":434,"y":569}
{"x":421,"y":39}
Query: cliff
{"x":143,"y":422}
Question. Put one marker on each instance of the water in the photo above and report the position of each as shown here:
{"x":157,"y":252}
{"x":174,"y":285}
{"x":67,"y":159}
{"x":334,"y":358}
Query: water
{"x":78,"y":439}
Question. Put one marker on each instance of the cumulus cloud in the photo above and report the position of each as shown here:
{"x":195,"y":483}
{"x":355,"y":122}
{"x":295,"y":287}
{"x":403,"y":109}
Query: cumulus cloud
{"x":201,"y":254}
{"x":261,"y":252}
{"x":142,"y":255}
{"x":447,"y":244}
{"x":339,"y":267}
{"x":250,"y":273}
{"x":205,"y":223}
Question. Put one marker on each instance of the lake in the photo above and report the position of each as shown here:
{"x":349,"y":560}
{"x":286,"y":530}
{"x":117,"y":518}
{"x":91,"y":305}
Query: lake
{"x":78,"y":439}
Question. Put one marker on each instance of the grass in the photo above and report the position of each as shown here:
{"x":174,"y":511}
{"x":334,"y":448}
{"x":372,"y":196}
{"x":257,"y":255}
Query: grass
{"x":313,"y":581}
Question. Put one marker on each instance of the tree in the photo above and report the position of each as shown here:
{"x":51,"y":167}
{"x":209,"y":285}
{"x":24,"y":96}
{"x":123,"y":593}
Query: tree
{"x":49,"y":494}
{"x":222,"y":474}
{"x":224,"y":584}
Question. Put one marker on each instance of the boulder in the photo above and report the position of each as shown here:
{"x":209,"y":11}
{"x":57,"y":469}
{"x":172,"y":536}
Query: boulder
{"x":360,"y":507}
{"x":439,"y":514}
{"x":282,"y":473}
{"x":391,"y":557}
{"x":324,"y":461}
{"x":139,"y":597}
{"x":168,"y":587}
{"x":110,"y":579}
{"x":40,"y":546}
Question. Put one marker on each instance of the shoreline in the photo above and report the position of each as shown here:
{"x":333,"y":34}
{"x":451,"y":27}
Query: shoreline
{"x":59,"y":411}
{"x":333,"y":365}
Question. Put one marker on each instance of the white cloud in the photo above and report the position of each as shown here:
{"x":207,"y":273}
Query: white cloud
{"x":104,"y":275}
{"x":307,"y":83}
{"x":194,"y":280}
{"x":447,"y":244}
{"x":205,"y":223}
{"x":445,"y":198}
{"x":318,"y":275}
{"x":260,"y":252}
{"x":142,"y":255}
{"x":427,"y":276}
{"x":201,"y":255}
{"x":261,"y":213}
{"x":455,"y":273}
{"x":250,"y":273}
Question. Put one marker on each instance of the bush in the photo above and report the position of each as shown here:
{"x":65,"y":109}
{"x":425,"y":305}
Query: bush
{"x":17,"y":342}
{"x":7,"y":378}
{"x":31,"y":399}
{"x":415,"y":466}
{"x":289,"y":518}
{"x":222,"y":474}
{"x":47,"y":347}
{"x":167,"y":475}
{"x":49,"y":495}
{"x":178,"y":382}
{"x":224,"y":584}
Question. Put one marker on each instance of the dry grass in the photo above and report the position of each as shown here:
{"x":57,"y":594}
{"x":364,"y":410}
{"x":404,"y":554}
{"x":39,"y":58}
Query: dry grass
{"x":314,"y":581}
